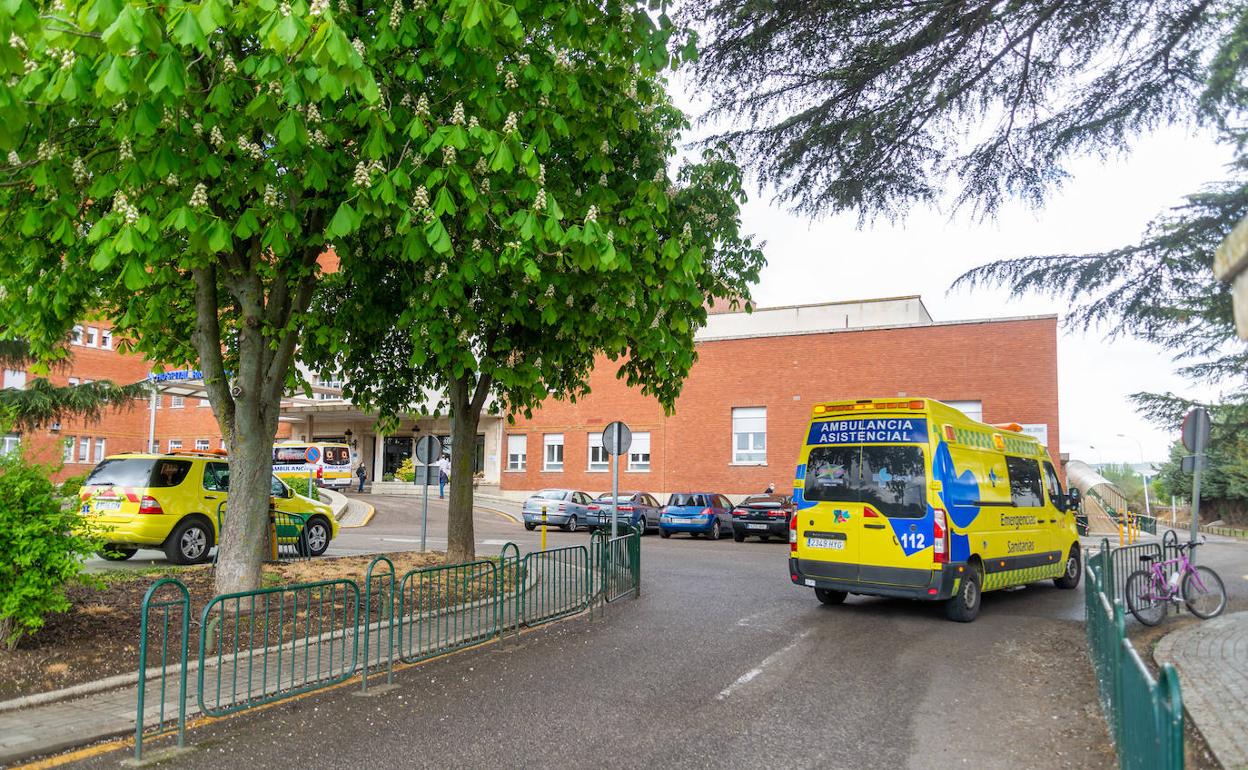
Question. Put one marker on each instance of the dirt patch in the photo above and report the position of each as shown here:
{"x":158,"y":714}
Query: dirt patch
{"x":98,"y":636}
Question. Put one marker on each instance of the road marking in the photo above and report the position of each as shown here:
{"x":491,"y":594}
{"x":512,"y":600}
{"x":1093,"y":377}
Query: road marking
{"x":748,"y":676}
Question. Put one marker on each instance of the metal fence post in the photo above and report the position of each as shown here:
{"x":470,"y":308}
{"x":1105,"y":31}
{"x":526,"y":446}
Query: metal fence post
{"x":183,"y":602}
{"x":367,"y":615}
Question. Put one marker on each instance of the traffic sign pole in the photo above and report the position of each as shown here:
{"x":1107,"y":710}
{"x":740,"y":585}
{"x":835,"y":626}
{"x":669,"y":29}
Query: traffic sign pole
{"x":428,"y":448}
{"x":616,"y":439}
{"x":1196,"y":427}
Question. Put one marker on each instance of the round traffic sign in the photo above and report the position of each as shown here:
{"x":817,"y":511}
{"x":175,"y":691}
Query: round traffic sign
{"x":617,"y":438}
{"x":428,"y":450}
{"x":312,"y":454}
{"x":1196,"y":429}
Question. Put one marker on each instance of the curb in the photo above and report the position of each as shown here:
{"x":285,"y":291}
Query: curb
{"x":509,"y":516}
{"x":367,"y":518}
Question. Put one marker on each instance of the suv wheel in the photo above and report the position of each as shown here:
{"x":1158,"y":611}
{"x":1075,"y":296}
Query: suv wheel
{"x":314,"y":540}
{"x":189,"y":543}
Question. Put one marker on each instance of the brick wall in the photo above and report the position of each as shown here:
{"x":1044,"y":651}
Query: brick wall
{"x":1011,"y":366}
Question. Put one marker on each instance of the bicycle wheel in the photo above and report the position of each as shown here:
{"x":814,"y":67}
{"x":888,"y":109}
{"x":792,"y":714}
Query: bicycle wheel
{"x":1206,"y":598}
{"x":1145,"y":599}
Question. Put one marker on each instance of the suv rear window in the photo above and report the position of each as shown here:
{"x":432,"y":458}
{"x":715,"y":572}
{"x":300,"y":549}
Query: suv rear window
{"x":139,"y":472}
{"x":891,"y":479}
{"x":689,"y":500}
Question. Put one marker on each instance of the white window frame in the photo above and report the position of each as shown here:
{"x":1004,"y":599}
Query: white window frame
{"x":551,"y":441}
{"x":14,"y":379}
{"x":177,"y":402}
{"x":10,"y":442}
{"x":603,"y":463}
{"x":106,"y":339}
{"x":68,"y":453}
{"x":74,"y":382}
{"x":517,"y":461}
{"x":747,"y":422}
{"x":202,"y":445}
{"x":639,"y":453}
{"x":84,"y":449}
{"x":93,"y":337}
{"x":203,"y":402}
{"x":76,"y":338}
{"x":174,"y":444}
{"x":100,"y":444}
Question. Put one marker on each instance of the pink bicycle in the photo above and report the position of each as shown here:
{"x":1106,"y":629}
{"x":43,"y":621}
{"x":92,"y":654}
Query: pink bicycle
{"x":1150,"y":591}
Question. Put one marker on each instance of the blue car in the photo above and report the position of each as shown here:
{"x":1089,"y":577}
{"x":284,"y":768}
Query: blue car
{"x":567,"y":509}
{"x":698,"y":513}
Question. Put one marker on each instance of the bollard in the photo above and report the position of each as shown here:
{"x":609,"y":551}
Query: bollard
{"x":1121,"y":538}
{"x":543,"y":528}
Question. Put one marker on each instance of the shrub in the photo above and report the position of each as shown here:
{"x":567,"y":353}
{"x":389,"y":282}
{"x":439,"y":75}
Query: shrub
{"x":70,"y":486}
{"x":43,"y":542}
{"x":406,"y":471}
{"x":300,"y":485}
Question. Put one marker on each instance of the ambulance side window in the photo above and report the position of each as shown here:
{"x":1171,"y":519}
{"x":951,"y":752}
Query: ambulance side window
{"x":1056,"y":493}
{"x":1025,"y":489}
{"x":217,"y":477}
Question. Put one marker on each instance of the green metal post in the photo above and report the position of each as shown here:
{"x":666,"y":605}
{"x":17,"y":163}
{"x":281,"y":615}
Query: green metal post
{"x":184,"y":603}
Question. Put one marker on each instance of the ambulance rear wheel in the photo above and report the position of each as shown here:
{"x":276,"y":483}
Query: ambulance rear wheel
{"x":1074,"y":568}
{"x":963,"y":607}
{"x":830,"y":597}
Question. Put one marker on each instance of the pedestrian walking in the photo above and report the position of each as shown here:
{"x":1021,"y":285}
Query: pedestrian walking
{"x":362,"y":474}
{"x":444,"y":475}
{"x":771,"y":489}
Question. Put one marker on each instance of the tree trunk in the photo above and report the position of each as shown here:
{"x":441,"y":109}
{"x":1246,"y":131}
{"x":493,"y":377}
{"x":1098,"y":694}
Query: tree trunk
{"x":243,"y":539}
{"x":465,"y":416}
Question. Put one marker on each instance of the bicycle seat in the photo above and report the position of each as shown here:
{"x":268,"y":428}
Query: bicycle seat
{"x":1147,"y":557}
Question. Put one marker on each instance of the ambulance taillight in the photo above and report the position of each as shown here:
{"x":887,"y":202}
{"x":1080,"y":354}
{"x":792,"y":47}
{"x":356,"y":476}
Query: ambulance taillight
{"x":793,"y":533}
{"x":940,"y":537}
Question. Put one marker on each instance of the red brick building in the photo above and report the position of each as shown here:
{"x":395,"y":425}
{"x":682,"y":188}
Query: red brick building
{"x":181,"y":422}
{"x":745,"y":406}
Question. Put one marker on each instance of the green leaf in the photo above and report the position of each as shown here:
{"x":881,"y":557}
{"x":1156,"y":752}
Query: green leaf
{"x":502,"y":160}
{"x":443,"y":203}
{"x":135,"y":277}
{"x":124,"y":32}
{"x":437,"y":236}
{"x":167,"y":73}
{"x":474,"y":14}
{"x":344,"y":222}
{"x":219,"y":237}
{"x":117,"y":78}
{"x":287,"y":30}
{"x":186,"y":31}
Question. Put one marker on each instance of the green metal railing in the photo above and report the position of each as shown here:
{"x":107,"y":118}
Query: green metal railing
{"x":273,"y":643}
{"x":562,"y":584}
{"x":1145,"y":715}
{"x":164,"y":608}
{"x":446,"y":608}
{"x":385,"y":583}
{"x":257,"y":647}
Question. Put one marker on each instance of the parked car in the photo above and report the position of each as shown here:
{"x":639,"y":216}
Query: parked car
{"x":762,"y":515}
{"x":174,"y":501}
{"x":636,"y":508}
{"x":565,"y":508}
{"x":698,"y":513}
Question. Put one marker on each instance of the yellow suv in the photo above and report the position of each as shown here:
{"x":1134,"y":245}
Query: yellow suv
{"x":175,"y":502}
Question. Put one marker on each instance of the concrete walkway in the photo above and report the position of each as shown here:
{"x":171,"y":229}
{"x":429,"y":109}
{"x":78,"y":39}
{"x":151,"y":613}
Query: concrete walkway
{"x":1212,"y":660}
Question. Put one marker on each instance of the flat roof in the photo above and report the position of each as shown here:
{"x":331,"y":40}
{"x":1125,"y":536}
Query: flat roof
{"x":879,"y":327}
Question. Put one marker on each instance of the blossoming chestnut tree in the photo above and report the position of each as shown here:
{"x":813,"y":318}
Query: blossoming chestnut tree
{"x":190,"y":169}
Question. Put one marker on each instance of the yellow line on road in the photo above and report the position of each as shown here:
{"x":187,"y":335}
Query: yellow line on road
{"x":367,"y":518}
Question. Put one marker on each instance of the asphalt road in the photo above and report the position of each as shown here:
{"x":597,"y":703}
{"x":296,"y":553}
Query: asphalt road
{"x":720,"y":663}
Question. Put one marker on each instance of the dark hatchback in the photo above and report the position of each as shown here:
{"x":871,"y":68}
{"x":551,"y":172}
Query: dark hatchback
{"x":766,"y":516}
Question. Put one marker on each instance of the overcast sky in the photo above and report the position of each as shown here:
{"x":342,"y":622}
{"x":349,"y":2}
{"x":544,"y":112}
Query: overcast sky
{"x":1105,"y":204}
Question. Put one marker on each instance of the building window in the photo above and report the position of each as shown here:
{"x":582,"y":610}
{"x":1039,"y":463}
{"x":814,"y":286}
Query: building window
{"x":749,"y":435}
{"x":10,"y":443}
{"x":154,"y":447}
{"x":176,"y":402}
{"x":639,"y":452}
{"x":517,"y":452}
{"x":106,"y":339}
{"x":73,"y":382}
{"x":99,"y":449}
{"x":225,"y":447}
{"x":84,"y":449}
{"x":68,"y":456}
{"x":14,"y":378}
{"x":599,"y":460}
{"x":93,"y":337}
{"x":175,"y":444}
{"x":77,"y":335}
{"x":201,"y":445}
{"x":972,"y":409}
{"x":203,"y":402}
{"x":554,"y":452}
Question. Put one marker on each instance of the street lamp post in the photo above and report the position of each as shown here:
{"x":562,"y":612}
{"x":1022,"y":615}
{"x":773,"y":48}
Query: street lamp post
{"x":1147,"y":511}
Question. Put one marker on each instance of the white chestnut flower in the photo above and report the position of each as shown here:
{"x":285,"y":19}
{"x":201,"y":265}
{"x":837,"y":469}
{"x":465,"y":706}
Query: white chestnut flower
{"x":199,"y":197}
{"x":602,"y":180}
{"x":312,"y":113}
{"x":524,"y":59}
{"x":485,"y":185}
{"x":562,"y":60}
{"x":476,"y":244}
{"x":80,"y":171}
{"x":358,"y":45}
{"x":509,"y":126}
{"x":215,"y":136}
{"x":686,"y":232}
{"x":543,"y":101}
{"x":198,"y":128}
{"x":422,"y":106}
{"x":539,"y":201}
{"x":47,"y":151}
{"x":318,"y":7}
{"x":498,"y":68}
{"x":319,"y":139}
{"x":124,"y":150}
{"x":270,"y":196}
{"x":387,"y":231}
{"x":481,"y":168}
{"x":541,"y":173}
{"x":284,"y":8}
{"x":448,"y":155}
{"x":420,"y":198}
{"x":591,"y":215}
{"x":171,"y":180}
{"x":17,"y":42}
{"x":457,"y":114}
{"x":123,"y":206}
{"x":509,"y":80}
{"x":396,"y":14}
{"x":473,"y":122}
{"x":228,"y":65}
{"x":605,"y":147}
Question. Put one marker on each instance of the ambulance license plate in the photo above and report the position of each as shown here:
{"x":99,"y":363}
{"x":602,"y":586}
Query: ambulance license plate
{"x":825,"y":542}
{"x":107,"y":505}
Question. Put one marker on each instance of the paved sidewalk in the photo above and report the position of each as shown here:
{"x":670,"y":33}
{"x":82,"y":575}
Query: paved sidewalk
{"x":1212,"y":660}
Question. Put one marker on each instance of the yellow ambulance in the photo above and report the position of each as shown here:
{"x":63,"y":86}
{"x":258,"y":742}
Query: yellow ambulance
{"x":328,"y":462}
{"x":911,"y":498}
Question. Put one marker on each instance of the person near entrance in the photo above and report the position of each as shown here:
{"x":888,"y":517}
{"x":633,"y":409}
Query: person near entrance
{"x":362,"y":474}
{"x":444,"y":475}
{"x":771,"y":489}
